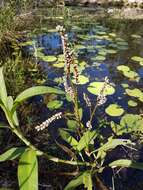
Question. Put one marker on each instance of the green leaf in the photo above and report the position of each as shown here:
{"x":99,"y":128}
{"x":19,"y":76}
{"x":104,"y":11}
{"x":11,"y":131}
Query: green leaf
{"x":86,"y":139}
{"x":68,"y":138}
{"x":75,"y":183}
{"x":28,"y":171}
{"x":33,"y":91}
{"x":113,"y":143}
{"x":12,"y":153}
{"x":96,"y":87}
{"x":114,"y":110}
{"x":55,"y":104}
{"x":87,"y":180}
{"x":10,"y":105}
{"x":82,"y":79}
{"x":80,"y":113}
{"x":3,"y":92}
{"x":126,"y":163}
{"x":72,"y":124}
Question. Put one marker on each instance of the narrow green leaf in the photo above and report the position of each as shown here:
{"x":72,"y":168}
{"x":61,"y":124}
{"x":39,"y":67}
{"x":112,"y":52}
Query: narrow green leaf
{"x":12,"y":153}
{"x":86,"y":139}
{"x":3,"y":92}
{"x":28,"y":171}
{"x":33,"y":91}
{"x":87,"y":180}
{"x":68,"y":138}
{"x":10,"y":105}
{"x":74,"y":183}
{"x":126,"y":163}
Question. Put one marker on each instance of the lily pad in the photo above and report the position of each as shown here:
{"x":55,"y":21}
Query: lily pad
{"x":55,"y":104}
{"x":59,"y":65}
{"x":137,"y":59}
{"x":125,"y":85}
{"x":98,"y":58}
{"x":114,"y":110}
{"x":132,"y":103}
{"x":49,"y":58}
{"x":135,"y":93}
{"x":96,"y":87}
{"x":82,"y":79}
{"x":123,"y":68}
{"x":111,"y":51}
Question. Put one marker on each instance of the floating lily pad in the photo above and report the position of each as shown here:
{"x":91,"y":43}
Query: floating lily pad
{"x":114,"y":110}
{"x":135,"y":93}
{"x":124,"y":85}
{"x":137,"y":59}
{"x":99,"y":58}
{"x":96,"y":87}
{"x":111,"y":51}
{"x":82,"y":79}
{"x":55,"y":104}
{"x":49,"y":58}
{"x":59,"y":65}
{"x":132,"y":75}
{"x":136,"y":36}
{"x":123,"y":68}
{"x":132,"y":103}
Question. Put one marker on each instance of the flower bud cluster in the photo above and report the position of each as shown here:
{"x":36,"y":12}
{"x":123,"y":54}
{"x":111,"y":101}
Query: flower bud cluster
{"x":87,"y":100}
{"x":46,"y":123}
{"x":69,"y":90}
{"x":88,"y":125}
{"x":68,"y":54}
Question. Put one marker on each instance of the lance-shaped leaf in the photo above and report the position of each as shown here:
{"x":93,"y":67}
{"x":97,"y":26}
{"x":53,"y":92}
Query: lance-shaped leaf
{"x":85,"y":179}
{"x":68,"y":138}
{"x":86,"y":139}
{"x":3,"y":92}
{"x":126,"y":163}
{"x":28,"y":171}
{"x":33,"y":91}
{"x":10,"y":105}
{"x":12,"y":153}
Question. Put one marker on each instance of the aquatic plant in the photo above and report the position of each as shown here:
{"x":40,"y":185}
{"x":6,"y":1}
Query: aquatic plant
{"x":80,"y":137}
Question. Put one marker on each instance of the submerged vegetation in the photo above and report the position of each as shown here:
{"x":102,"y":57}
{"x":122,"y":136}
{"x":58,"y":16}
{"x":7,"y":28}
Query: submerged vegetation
{"x":70,"y":99}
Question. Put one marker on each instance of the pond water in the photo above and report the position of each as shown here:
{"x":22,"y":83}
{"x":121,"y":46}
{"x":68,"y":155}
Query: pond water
{"x":103,"y":46}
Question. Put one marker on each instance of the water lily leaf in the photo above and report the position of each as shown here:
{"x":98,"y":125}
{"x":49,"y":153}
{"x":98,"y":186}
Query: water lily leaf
{"x":96,"y":87}
{"x":132,"y":103}
{"x":114,"y":110}
{"x":82,"y":79}
{"x":123,"y":68}
{"x":137,"y":58}
{"x":59,"y":65}
{"x":111,"y":51}
{"x":124,"y":85}
{"x":99,"y":58}
{"x":136,"y":36}
{"x":135,"y":93}
{"x":122,"y":43}
{"x":49,"y":58}
{"x":132,"y":75}
{"x":55,"y":104}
